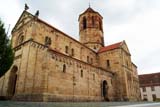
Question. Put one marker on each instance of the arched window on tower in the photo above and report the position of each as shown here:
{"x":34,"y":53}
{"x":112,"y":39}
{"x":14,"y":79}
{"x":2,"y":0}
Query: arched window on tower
{"x":84,"y":23}
{"x":93,"y":21}
{"x":100,"y":25}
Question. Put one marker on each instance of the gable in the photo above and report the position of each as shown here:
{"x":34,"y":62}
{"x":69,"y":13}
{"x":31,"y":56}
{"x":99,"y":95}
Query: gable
{"x":125,"y":47}
{"x":24,"y":18}
{"x":110,"y":47}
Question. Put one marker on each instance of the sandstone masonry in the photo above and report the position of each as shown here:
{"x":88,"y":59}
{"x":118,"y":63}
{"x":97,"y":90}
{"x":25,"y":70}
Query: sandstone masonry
{"x":49,"y":65}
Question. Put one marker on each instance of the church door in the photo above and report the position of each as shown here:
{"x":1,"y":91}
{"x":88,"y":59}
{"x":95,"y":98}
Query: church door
{"x":105,"y":90}
{"x":12,"y":81}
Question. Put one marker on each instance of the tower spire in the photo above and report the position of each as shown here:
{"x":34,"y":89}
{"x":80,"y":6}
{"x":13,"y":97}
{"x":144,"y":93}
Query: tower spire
{"x":89,"y":3}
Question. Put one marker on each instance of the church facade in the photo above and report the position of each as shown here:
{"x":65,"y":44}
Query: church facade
{"x":49,"y":65}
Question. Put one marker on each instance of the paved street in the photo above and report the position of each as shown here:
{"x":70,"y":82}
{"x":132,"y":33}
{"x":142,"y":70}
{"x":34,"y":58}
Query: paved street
{"x":141,"y":105}
{"x":82,"y":104}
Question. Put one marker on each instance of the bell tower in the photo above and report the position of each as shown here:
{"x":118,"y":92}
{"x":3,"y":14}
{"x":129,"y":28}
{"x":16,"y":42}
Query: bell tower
{"x":91,"y":29}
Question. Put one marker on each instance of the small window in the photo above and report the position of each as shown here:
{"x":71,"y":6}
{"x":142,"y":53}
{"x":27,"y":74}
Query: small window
{"x":92,"y":20}
{"x":152,"y":88}
{"x":66,"y":49}
{"x":72,"y":52}
{"x":108,"y":63}
{"x":100,"y":25}
{"x":47,"y":40}
{"x":82,"y":73}
{"x":64,"y":68}
{"x":88,"y":59}
{"x":84,"y":23}
{"x":144,"y":89}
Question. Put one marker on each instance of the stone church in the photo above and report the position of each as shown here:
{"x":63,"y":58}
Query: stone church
{"x":50,"y":65}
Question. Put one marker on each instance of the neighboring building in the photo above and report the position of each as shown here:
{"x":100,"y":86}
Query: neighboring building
{"x":150,"y":86}
{"x":49,"y":65}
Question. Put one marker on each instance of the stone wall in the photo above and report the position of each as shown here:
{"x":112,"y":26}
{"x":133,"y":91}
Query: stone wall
{"x":41,"y":77}
{"x":51,"y":66}
{"x":120,"y":63}
{"x":60,"y":40}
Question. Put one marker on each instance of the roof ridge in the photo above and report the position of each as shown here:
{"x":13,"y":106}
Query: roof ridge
{"x":110,"y":47}
{"x":149,"y":74}
{"x":67,"y":35}
{"x":90,"y":10}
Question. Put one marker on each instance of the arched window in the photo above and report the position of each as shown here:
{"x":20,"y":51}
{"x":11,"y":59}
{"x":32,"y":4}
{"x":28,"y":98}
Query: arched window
{"x":66,"y":49}
{"x":108,"y":63}
{"x":100,"y":25}
{"x":72,"y":52}
{"x":84,"y":23}
{"x":81,"y":73}
{"x":64,"y":68}
{"x":88,"y":59}
{"x":47,"y":40}
{"x":92,"y":20}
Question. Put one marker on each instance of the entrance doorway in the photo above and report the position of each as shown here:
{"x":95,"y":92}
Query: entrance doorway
{"x":105,"y":90}
{"x":12,"y":81}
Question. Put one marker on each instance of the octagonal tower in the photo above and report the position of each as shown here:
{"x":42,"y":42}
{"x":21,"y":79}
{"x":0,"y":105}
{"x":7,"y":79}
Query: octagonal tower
{"x":91,"y":29}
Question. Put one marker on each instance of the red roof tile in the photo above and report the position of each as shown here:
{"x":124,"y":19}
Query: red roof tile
{"x":149,"y":79}
{"x":110,"y":47}
{"x":90,"y":10}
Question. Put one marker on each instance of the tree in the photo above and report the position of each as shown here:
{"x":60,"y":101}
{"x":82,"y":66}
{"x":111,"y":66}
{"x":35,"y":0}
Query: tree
{"x":6,"y":53}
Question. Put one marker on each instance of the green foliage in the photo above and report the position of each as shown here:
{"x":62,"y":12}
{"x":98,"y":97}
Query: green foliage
{"x":6,"y":53}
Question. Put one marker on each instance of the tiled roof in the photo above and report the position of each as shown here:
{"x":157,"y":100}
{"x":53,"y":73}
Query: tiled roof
{"x":62,"y":32}
{"x":110,"y":47}
{"x":149,"y":79}
{"x":90,"y":10}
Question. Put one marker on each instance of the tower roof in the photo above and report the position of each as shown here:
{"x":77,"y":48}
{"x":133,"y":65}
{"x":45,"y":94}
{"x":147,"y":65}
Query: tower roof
{"x":89,"y":10}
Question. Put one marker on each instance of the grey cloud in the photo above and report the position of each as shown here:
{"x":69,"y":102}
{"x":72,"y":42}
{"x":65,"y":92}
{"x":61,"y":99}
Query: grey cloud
{"x":63,"y":14}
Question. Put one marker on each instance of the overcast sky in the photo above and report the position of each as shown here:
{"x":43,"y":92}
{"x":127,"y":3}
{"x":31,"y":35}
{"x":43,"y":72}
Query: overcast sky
{"x":135,"y":21}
